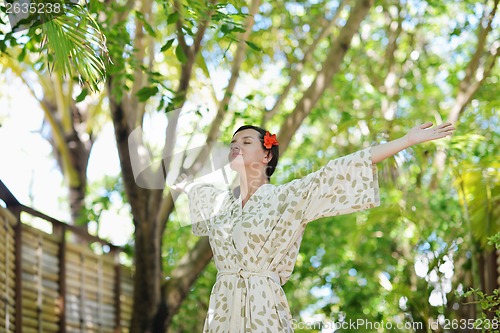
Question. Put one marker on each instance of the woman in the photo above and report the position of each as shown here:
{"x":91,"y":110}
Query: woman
{"x":255,"y":233}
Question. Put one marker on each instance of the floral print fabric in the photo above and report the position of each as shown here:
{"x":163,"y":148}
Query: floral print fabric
{"x":255,"y":247}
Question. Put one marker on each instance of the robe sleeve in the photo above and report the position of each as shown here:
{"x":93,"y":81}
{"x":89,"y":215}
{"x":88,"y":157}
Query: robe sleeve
{"x":201,"y":205}
{"x":344,"y":185}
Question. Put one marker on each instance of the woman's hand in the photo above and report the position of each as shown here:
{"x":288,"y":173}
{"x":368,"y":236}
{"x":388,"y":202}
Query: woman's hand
{"x":425,"y":132}
{"x":417,"y":134}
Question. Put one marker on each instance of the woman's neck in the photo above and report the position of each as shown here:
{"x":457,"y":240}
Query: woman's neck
{"x":248,"y":186}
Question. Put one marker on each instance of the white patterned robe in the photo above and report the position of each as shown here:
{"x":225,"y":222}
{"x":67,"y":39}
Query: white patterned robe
{"x":255,"y":247}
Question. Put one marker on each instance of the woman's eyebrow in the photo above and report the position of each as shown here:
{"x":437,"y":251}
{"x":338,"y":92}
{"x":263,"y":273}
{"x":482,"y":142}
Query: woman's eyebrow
{"x":245,"y":137}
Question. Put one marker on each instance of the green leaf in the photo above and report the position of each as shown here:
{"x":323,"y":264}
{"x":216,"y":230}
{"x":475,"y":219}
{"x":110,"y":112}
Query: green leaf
{"x":173,"y":18}
{"x":238,"y":29}
{"x":82,"y":95}
{"x":74,"y":42}
{"x":139,"y":15}
{"x":226,"y":28}
{"x":167,"y":45}
{"x":22,"y":54}
{"x":145,"y":93}
{"x":188,"y":30}
{"x":179,"y":53}
{"x":253,"y":46}
{"x":149,"y":29}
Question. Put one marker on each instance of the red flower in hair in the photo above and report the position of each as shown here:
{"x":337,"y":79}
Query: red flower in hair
{"x":270,"y":140}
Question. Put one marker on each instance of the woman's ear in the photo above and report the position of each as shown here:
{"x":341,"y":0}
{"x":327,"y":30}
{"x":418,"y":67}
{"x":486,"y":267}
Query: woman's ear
{"x":268,"y":157}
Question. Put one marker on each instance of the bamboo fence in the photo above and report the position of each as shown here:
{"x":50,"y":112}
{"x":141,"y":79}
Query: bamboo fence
{"x":7,"y":272}
{"x":48,"y":284}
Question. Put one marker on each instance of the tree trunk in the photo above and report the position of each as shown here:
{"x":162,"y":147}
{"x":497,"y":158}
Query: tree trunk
{"x":488,"y":269}
{"x":79,"y":156}
{"x":147,"y":293}
{"x":147,"y":254}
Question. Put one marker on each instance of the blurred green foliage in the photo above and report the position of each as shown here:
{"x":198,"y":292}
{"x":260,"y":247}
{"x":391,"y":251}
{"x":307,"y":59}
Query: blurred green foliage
{"x":413,"y":258}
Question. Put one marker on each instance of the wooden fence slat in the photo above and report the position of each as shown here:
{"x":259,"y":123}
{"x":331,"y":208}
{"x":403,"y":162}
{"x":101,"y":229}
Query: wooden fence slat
{"x":48,"y":306}
{"x":6,"y":215}
{"x":46,"y":317}
{"x":45,"y":294}
{"x":88,"y":253}
{"x":8,"y":295}
{"x":31,"y":255}
{"x":9,"y":231}
{"x":30,"y":241}
{"x":97,"y":291}
{"x":7,"y":274}
{"x":9,"y":298}
{"x":12,"y":324}
{"x":89,"y":327}
{"x":4,"y":266}
{"x":30,"y":279}
{"x":30,"y":330}
{"x":49,"y":261}
{"x":75,"y":286}
{"x":73,"y":271}
{"x":93,"y":298}
{"x":10,"y":309}
{"x":105,"y":300}
{"x":34,"y":323}
{"x":4,"y":247}
{"x":30,"y":274}
{"x":8,"y":271}
{"x":32,"y":232}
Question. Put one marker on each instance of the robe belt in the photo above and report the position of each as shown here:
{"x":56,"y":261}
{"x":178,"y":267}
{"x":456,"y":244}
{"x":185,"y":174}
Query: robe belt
{"x":238,"y":296}
{"x":246,"y":274}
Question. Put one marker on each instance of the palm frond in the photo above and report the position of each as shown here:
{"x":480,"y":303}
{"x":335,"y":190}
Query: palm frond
{"x":75,"y":43}
{"x":482,"y":192}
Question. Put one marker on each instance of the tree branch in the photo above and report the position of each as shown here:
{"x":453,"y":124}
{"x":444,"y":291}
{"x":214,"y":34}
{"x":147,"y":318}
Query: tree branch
{"x":134,"y":108}
{"x":180,"y":33}
{"x":122,"y":132}
{"x":467,"y":88}
{"x":167,"y":205}
{"x":235,"y":72}
{"x":469,"y":85}
{"x":391,"y":82}
{"x":296,"y":74}
{"x":322,"y":80}
{"x":62,"y":107}
{"x":202,"y":28}
{"x":191,"y":53}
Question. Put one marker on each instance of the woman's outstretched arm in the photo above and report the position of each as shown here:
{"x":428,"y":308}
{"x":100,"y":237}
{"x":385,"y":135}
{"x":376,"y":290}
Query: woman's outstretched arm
{"x":416,"y":135}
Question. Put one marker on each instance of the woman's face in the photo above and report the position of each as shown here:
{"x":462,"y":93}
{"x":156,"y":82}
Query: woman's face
{"x":246,"y":152}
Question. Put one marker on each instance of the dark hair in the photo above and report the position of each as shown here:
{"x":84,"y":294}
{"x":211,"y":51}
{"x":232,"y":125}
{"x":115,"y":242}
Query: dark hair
{"x":271,"y":165}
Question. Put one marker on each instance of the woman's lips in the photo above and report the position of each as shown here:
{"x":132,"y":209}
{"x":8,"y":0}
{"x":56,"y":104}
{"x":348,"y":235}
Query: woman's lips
{"x":234,"y":155}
